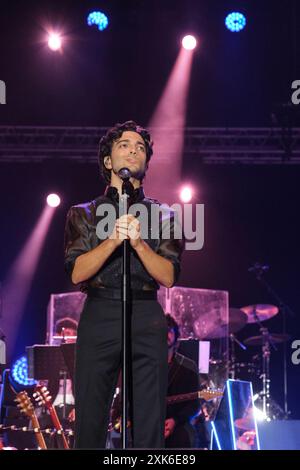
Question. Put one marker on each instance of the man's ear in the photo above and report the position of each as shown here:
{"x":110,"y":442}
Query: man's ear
{"x":107,"y":162}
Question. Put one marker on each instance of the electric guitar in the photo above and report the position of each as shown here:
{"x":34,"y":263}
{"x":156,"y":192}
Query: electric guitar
{"x":42,"y":397}
{"x":207,"y":395}
{"x":25,"y":406}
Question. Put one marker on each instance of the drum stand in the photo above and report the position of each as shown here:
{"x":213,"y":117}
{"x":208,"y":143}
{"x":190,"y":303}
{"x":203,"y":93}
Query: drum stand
{"x":233,"y":340}
{"x":266,"y":354}
{"x":268,"y":404}
{"x":285,"y":309}
{"x":265,"y":393}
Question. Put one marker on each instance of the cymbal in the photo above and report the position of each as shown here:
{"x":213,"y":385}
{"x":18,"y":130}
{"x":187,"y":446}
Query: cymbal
{"x":273,"y":338}
{"x":236,"y":321}
{"x":261,"y":312}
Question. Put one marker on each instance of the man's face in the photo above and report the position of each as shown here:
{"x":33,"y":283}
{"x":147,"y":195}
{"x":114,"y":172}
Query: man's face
{"x":128,"y":151}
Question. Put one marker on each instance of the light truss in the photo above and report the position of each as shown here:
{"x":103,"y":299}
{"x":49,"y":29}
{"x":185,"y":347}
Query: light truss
{"x":244,"y":145}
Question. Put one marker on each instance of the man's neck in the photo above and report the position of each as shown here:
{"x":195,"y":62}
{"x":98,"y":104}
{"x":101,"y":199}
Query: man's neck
{"x":117,"y":182}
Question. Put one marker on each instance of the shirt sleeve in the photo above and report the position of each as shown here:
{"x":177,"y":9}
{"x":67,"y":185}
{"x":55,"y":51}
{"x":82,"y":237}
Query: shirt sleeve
{"x":76,"y":240}
{"x":171,"y":244}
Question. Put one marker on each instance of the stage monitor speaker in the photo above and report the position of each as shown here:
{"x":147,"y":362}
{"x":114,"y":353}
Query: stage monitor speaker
{"x":279,"y":434}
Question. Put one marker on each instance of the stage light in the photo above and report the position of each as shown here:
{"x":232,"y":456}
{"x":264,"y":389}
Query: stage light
{"x":99,"y":19}
{"x":189,"y":42}
{"x":186,"y":194}
{"x":235,"y":21}
{"x":259,"y":414}
{"x":54,"y":41}
{"x":53,"y":200}
{"x":19,"y":372}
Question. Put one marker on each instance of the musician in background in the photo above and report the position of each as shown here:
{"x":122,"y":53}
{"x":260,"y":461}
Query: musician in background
{"x":66,"y":329}
{"x":183,"y":378}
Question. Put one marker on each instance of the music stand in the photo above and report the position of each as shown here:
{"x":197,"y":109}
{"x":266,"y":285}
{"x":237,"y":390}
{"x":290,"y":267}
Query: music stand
{"x":46,"y":362}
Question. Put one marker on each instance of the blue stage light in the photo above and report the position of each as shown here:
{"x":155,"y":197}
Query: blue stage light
{"x":235,"y":21}
{"x":19,"y":372}
{"x":98,"y":18}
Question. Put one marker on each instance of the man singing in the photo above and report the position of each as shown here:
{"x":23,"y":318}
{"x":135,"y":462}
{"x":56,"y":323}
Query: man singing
{"x":96,"y":264}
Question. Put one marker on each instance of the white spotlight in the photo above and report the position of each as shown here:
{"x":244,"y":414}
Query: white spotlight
{"x":189,"y":42}
{"x":54,"y":41}
{"x":186,"y":194}
{"x":53,"y":200}
{"x":260,"y":415}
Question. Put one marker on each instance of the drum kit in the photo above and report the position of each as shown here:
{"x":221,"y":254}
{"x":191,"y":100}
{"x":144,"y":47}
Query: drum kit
{"x":259,"y":366}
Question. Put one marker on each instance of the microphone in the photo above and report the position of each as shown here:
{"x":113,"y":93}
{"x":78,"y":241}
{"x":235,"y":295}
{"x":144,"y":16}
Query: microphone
{"x":124,"y":174}
{"x":258,"y":270}
{"x":127,"y":190}
{"x":258,"y":267}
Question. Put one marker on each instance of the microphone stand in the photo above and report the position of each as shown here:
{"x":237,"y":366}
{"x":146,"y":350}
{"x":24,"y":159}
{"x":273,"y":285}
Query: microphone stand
{"x":126,"y":320}
{"x":63,"y":375}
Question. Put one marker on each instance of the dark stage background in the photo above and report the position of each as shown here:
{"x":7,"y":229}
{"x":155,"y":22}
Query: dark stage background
{"x":237,"y":79}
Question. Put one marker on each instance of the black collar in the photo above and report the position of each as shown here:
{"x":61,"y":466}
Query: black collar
{"x":112,"y":193}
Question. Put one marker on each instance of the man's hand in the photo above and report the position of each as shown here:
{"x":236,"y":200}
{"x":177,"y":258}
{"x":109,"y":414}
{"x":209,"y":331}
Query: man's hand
{"x":127,"y":227}
{"x":169,"y":427}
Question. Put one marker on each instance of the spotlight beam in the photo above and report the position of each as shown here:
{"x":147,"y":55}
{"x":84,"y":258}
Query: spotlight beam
{"x":20,"y":277}
{"x":167,"y":130}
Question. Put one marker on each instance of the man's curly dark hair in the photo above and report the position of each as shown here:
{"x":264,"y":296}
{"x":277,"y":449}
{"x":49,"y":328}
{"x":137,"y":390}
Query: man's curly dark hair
{"x":112,"y":135}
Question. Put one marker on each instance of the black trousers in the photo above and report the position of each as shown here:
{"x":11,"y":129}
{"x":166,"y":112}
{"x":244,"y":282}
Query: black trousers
{"x":98,"y":362}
